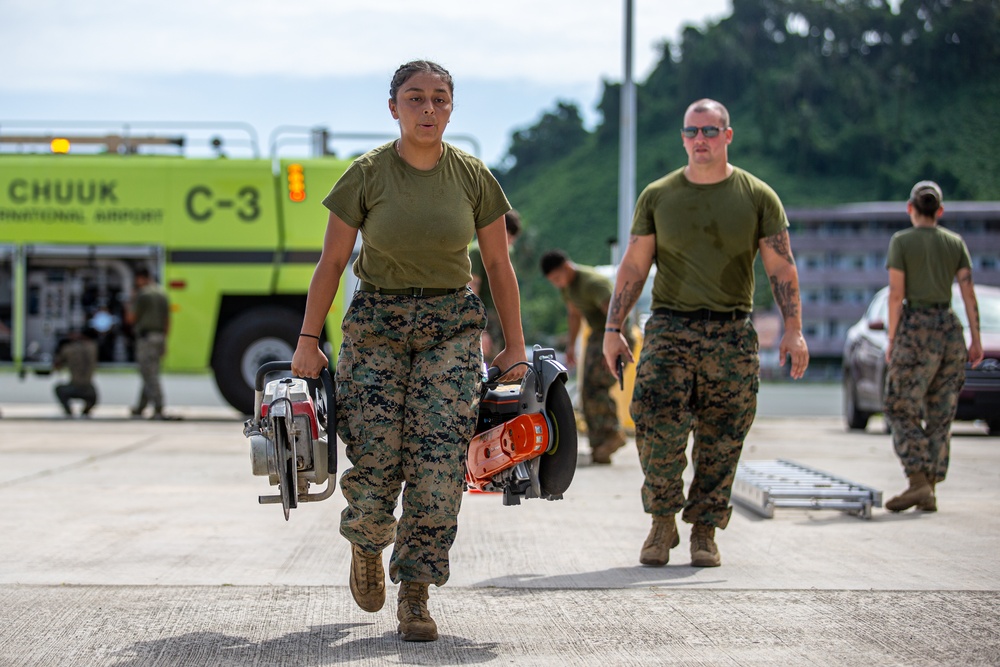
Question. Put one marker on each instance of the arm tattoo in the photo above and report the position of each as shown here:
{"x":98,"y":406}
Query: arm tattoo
{"x":781,"y":245}
{"x":622,"y":302}
{"x":786,"y":296}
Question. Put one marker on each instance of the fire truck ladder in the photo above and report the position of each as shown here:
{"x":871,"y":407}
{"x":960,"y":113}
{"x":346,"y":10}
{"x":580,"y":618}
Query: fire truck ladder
{"x":762,"y":486}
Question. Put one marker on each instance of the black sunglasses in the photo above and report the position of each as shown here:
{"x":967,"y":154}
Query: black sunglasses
{"x":708,"y":131}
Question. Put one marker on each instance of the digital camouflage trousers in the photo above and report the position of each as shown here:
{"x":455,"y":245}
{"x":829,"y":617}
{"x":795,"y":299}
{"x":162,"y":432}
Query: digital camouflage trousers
{"x":408,"y":381}
{"x":925,"y":376}
{"x":600,"y":412}
{"x":149,"y":351}
{"x":694,"y":377}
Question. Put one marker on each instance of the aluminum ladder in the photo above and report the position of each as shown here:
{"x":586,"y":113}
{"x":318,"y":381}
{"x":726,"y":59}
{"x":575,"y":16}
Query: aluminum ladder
{"x":762,"y":486}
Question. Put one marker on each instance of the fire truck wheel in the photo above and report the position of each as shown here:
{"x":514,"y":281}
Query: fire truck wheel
{"x":247,"y":342}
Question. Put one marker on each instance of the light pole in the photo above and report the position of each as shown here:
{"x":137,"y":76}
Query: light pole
{"x":626,"y":150}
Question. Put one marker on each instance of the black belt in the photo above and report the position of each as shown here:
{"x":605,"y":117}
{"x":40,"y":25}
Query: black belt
{"x":928,"y":306}
{"x":408,"y":291}
{"x":705,"y":314}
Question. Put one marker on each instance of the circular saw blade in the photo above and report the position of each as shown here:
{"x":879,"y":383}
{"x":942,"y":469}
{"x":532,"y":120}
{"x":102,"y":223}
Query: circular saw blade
{"x":558,"y":463}
{"x":287,"y":473}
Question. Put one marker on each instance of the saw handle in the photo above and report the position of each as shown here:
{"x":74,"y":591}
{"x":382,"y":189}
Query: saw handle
{"x":493,"y":373}
{"x":331,"y":404}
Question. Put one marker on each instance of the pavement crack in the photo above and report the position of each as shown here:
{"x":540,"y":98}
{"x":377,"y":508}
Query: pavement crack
{"x":93,"y":458}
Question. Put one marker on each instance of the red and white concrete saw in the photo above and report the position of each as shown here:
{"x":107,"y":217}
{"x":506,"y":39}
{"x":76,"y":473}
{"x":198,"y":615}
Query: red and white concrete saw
{"x":293,"y":436}
{"x":525,"y":444}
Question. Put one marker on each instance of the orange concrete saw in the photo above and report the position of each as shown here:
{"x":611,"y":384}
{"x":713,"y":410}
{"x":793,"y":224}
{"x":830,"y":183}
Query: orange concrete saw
{"x":525,"y":444}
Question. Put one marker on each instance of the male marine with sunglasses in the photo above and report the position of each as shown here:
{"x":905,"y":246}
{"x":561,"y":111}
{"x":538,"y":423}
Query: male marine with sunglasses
{"x":698,"y":369}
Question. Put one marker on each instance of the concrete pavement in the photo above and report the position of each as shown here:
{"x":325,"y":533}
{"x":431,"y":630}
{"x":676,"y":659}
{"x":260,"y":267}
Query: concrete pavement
{"x":141,"y":543}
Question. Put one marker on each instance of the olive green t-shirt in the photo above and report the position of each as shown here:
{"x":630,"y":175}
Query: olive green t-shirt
{"x":930,"y":257}
{"x":590,"y":292}
{"x":416,"y":225}
{"x":152,"y":310}
{"x":80,"y":358}
{"x":707,"y":238}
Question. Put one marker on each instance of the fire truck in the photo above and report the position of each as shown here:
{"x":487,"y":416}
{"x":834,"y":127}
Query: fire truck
{"x":233,"y":238}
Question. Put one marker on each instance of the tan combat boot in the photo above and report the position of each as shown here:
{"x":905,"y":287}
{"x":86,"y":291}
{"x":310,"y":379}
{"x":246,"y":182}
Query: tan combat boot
{"x":415,"y":622}
{"x":661,"y":539}
{"x":929,"y":505}
{"x":704,"y":552}
{"x":367,"y":579}
{"x":919,"y":491}
{"x":602,"y":453}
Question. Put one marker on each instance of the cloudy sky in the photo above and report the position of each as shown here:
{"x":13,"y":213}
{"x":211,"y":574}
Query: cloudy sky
{"x":322,"y":63}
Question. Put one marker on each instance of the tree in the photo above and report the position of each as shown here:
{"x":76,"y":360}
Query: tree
{"x":555,"y":135}
{"x":832,"y":101}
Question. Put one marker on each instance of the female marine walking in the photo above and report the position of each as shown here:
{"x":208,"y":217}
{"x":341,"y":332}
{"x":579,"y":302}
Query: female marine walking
{"x":410,"y":366}
{"x":926,"y":352}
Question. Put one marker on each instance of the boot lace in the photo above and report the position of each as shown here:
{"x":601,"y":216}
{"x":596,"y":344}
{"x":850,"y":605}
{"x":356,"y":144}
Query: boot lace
{"x":414,"y":597}
{"x":367,"y":570}
{"x":702,"y":539}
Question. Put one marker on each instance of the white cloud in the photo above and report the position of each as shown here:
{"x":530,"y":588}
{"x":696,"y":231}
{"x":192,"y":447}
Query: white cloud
{"x":58,"y":44}
{"x":312,"y":62}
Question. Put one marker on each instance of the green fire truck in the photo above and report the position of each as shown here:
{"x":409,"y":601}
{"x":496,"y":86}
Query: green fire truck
{"x":233,"y":237}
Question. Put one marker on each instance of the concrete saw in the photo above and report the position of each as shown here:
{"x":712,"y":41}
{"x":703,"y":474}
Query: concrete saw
{"x":525,"y":444}
{"x":293,"y":436}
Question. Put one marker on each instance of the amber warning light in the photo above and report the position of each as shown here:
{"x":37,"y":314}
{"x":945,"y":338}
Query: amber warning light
{"x":296,"y":183}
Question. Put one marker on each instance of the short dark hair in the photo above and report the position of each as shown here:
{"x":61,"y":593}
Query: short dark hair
{"x":141,"y":272}
{"x":513,"y":221}
{"x":552,"y":260}
{"x":406,"y":70}
{"x":926,"y":198}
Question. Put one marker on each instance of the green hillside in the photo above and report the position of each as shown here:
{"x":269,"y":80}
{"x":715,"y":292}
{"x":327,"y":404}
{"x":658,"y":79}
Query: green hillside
{"x":832,"y":101}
